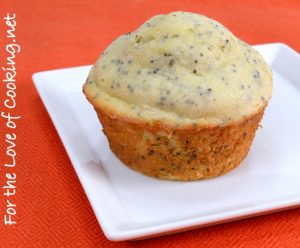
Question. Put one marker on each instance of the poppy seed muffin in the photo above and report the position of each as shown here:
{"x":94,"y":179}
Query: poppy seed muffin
{"x":180,"y":98}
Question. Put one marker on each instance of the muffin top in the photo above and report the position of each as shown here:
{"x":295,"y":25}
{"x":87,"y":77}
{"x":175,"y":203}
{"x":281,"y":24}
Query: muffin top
{"x":180,"y":69}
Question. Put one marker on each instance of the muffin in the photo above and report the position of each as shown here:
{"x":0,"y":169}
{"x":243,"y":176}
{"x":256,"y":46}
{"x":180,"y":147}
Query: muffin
{"x":180,"y":98}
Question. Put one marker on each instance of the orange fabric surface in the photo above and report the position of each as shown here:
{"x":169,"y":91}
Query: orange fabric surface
{"x":52,"y":208}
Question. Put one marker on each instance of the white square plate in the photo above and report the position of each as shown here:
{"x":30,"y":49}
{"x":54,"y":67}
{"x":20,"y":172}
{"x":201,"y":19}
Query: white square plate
{"x":129,"y":205}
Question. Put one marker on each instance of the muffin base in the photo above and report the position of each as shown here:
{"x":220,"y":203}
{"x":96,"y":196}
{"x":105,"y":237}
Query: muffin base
{"x":179,"y":154}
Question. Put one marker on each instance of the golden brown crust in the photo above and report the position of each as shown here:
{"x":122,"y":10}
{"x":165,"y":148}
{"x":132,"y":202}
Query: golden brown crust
{"x":190,"y":153}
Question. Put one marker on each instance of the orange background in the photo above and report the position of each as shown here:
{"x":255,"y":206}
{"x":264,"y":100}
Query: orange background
{"x":52,"y":209}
